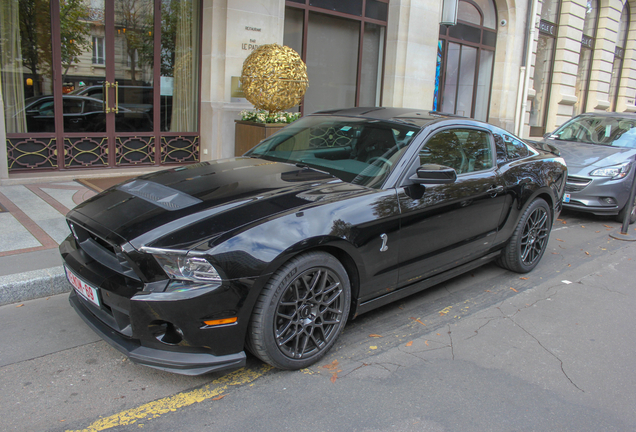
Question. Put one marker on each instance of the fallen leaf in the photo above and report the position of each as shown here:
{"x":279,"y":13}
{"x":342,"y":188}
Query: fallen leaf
{"x":408,"y":344}
{"x":562,"y":221}
{"x":582,"y":226}
{"x":331,"y":366}
{"x":334,"y":377}
{"x":373,"y":347}
{"x":513,"y":289}
{"x":560,"y":240}
{"x":375,"y":336}
{"x":555,"y":253}
{"x":438,"y":334}
{"x":607,"y":226}
{"x":418,"y":320}
{"x":523,"y":278}
{"x":219,"y":397}
{"x":426,"y":342}
{"x":587,"y":253}
{"x":603,"y":249}
{"x":487,"y":291}
{"x":20,"y":305}
{"x":597,"y":231}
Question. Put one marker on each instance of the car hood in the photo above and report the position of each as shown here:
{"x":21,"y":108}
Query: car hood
{"x":181,"y":207}
{"x":582,"y":155}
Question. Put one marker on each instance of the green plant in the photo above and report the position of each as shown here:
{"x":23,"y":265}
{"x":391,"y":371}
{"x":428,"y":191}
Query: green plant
{"x":263,"y":116}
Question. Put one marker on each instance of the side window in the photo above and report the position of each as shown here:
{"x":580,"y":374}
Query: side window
{"x":515,"y":148}
{"x":464,"y":150}
{"x":72,"y":106}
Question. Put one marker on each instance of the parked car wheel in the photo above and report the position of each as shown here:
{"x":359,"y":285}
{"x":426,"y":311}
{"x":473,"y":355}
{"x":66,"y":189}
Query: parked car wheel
{"x":529,"y":240}
{"x":632,"y":217}
{"x":301,"y":311}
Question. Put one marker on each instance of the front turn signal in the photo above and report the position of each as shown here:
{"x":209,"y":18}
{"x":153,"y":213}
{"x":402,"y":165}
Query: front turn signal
{"x":221,"y":321}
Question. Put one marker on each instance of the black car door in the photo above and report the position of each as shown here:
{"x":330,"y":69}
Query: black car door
{"x":445,"y":225}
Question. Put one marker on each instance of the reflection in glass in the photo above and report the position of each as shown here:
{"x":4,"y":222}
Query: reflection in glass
{"x":179,"y":65}
{"x":331,"y":68}
{"x":542,"y":71}
{"x":134,"y":23}
{"x":371,"y":78}
{"x":452,"y":73}
{"x":25,"y":61}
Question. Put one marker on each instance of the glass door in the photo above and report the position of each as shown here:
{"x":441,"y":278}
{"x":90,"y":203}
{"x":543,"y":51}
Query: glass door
{"x":100,"y":83}
{"x":111,"y":96}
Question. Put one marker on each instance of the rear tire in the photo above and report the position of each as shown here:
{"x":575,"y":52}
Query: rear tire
{"x":300,"y":312}
{"x":529,"y":240}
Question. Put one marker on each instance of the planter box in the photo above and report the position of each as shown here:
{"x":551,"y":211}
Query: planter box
{"x":248,"y":134}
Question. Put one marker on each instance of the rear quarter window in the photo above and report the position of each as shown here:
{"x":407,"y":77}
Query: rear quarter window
{"x":515,"y":149}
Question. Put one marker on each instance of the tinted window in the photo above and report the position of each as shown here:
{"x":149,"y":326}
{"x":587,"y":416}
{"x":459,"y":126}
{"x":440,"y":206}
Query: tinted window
{"x":356,"y":150}
{"x":515,"y":148}
{"x":464,"y":150}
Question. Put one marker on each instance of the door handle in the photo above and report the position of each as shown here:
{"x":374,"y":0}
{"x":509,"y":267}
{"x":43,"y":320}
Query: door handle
{"x":107,"y":107}
{"x":494,"y":190}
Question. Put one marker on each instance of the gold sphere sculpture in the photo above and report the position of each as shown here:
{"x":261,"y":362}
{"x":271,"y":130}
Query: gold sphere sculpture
{"x":274,"y":78}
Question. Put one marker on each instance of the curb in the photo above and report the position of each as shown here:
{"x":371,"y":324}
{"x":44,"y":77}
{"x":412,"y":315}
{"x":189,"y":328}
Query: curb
{"x":33,"y":284}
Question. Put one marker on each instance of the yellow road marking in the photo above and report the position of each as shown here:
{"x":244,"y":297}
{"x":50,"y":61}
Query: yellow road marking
{"x":172,"y":403}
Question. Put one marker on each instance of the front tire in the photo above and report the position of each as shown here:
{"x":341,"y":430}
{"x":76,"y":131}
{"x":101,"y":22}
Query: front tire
{"x":300,"y":312}
{"x":529,"y":240}
{"x":632,"y":217}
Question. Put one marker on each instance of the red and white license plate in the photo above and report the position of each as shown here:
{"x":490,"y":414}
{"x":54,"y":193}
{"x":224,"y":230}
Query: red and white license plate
{"x":86,"y":291}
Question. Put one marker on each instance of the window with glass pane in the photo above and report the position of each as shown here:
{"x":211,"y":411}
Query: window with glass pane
{"x":585,"y":58}
{"x":25,"y":65}
{"x":619,"y":54}
{"x":542,"y":73}
{"x":179,"y":65}
{"x":331,"y":68}
{"x":371,"y":78}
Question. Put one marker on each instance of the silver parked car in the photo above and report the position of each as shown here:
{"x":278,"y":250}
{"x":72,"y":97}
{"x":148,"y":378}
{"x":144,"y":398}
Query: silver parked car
{"x":600,"y":152}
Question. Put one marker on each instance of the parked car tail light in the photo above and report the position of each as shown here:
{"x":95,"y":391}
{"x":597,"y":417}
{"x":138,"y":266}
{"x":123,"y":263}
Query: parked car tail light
{"x":615,"y":171}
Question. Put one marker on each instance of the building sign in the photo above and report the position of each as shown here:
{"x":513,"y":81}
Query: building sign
{"x":547,"y":28}
{"x":587,"y":42}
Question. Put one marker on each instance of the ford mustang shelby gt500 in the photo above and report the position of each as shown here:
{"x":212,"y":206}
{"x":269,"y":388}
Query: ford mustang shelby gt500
{"x":338,"y":213}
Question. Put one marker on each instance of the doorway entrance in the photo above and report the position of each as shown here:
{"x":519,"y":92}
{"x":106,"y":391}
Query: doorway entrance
{"x":115,"y":84}
{"x":465,"y":60}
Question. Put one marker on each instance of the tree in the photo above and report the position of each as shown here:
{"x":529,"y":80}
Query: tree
{"x":134,"y":19}
{"x":74,"y":32}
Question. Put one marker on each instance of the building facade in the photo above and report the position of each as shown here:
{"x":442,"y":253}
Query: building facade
{"x":103,"y":84}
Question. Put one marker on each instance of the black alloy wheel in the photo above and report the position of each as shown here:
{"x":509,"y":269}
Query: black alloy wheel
{"x":529,"y":240}
{"x":301,"y":311}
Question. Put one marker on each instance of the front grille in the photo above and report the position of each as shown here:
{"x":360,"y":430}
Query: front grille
{"x":576,"y":184}
{"x":102,"y":251}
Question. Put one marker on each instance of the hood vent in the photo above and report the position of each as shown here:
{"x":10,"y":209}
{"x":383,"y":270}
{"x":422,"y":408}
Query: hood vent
{"x":158,"y":194}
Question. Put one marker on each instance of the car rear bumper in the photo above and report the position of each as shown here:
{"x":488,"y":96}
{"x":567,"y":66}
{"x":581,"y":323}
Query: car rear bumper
{"x":177,"y":362}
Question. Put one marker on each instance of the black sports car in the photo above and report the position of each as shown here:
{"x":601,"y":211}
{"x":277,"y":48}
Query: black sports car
{"x":338,"y":213}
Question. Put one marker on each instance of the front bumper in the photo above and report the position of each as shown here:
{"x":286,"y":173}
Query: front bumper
{"x":177,"y":362}
{"x":597,"y":195}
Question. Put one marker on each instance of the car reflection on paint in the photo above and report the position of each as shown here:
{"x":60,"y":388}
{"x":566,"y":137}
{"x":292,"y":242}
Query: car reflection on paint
{"x":337,"y":214}
{"x":600,"y":151}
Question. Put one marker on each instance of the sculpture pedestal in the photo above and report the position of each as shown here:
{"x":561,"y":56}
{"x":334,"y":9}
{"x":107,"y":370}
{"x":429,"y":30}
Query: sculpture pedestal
{"x":248,"y":134}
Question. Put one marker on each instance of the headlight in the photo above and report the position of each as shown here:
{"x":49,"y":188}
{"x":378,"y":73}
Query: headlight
{"x":187,"y":268}
{"x":615,"y":172}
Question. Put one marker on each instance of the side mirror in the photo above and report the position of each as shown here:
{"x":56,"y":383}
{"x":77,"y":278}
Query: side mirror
{"x":434,"y":174}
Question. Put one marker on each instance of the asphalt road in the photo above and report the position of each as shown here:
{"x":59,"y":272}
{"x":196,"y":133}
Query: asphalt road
{"x":491,"y":350}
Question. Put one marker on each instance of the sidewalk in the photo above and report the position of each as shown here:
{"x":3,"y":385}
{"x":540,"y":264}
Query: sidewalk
{"x":32,"y":225}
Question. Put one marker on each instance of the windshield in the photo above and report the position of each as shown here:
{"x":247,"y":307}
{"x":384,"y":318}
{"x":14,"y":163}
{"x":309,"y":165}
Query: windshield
{"x":359,"y":151}
{"x":602,"y":130}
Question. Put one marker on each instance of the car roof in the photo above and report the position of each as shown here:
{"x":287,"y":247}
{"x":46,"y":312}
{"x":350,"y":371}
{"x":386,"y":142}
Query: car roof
{"x":419,"y":118}
{"x":609,"y":114}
